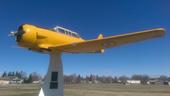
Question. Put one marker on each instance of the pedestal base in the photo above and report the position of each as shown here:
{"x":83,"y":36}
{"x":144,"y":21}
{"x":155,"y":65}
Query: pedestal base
{"x":54,"y":82}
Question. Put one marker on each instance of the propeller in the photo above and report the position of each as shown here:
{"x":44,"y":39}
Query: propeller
{"x":12,"y":34}
{"x":14,"y":46}
{"x":17,"y":34}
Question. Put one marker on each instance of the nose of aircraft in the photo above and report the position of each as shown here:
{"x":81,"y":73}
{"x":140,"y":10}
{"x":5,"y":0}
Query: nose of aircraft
{"x":18,"y":34}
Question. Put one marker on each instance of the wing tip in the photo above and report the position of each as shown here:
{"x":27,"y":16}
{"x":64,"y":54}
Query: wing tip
{"x":161,"y":31}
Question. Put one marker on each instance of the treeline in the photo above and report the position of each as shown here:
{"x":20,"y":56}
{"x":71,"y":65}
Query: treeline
{"x":75,"y":79}
{"x":27,"y":78}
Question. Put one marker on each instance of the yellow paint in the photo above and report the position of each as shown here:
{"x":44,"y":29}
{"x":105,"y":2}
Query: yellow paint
{"x":37,"y":38}
{"x":40,"y":39}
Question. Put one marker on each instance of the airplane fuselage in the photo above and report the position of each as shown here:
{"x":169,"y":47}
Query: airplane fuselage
{"x":36,"y":38}
{"x":64,"y":40}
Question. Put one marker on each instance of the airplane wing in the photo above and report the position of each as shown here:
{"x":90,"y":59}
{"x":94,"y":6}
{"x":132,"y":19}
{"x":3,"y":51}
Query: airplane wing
{"x":95,"y":45}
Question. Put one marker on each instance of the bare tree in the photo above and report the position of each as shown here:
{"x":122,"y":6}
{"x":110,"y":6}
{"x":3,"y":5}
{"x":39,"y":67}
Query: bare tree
{"x":123,"y":79}
{"x":36,"y":76}
{"x":163,"y":78}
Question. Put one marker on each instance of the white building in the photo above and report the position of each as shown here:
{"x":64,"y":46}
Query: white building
{"x":16,"y":81}
{"x":158,"y":82}
{"x":37,"y":82}
{"x":133,"y":82}
{"x":10,"y":80}
{"x":4,"y":81}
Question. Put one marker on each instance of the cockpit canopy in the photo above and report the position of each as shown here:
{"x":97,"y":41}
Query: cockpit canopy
{"x":66,"y":31}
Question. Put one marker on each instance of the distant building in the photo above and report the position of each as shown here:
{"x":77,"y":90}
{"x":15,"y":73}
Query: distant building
{"x":4,"y":81}
{"x":37,"y":82}
{"x":16,"y":80}
{"x":152,"y":82}
{"x":119,"y":81}
{"x":133,"y":82}
{"x":10,"y":80}
{"x":158,"y":82}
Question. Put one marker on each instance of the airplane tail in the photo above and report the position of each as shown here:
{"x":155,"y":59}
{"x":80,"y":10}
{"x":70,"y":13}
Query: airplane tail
{"x":100,"y":37}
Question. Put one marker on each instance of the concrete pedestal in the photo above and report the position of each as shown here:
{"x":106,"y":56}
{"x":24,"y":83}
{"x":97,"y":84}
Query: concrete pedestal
{"x":54,"y":82}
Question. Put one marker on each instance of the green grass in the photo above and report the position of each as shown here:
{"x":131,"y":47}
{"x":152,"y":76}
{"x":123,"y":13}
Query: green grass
{"x":90,"y":90}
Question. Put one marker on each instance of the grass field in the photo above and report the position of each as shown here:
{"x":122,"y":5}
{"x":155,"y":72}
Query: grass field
{"x":90,"y":90}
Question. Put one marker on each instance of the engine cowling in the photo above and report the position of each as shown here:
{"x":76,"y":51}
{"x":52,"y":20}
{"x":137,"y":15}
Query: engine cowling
{"x":28,"y":37}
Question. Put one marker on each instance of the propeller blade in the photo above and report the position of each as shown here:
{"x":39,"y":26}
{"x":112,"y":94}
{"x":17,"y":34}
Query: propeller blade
{"x":12,"y":33}
{"x":16,"y":47}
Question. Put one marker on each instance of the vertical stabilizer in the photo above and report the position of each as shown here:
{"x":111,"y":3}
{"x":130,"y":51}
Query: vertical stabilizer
{"x":100,"y":37}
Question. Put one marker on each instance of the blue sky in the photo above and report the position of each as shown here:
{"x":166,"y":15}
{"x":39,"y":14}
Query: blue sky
{"x":90,"y":18}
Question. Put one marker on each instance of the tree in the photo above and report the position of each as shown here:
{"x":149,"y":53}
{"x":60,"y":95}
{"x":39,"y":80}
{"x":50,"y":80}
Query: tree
{"x":136,"y":77}
{"x":123,"y":79}
{"x":115,"y":79}
{"x":4,"y":74}
{"x":35,"y":76}
{"x":168,"y":78}
{"x":87,"y":79}
{"x":30,"y":79}
{"x":163,"y":78}
{"x":22,"y":75}
{"x":109,"y":79}
{"x":9,"y":73}
{"x":67,"y":79}
{"x":142,"y":78}
{"x":78,"y":79}
{"x":92,"y":78}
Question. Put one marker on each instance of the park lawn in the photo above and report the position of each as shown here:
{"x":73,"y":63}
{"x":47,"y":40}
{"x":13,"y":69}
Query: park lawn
{"x":90,"y":90}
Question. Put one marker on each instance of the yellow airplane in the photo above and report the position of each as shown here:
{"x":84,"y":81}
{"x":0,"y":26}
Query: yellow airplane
{"x":59,"y":39}
{"x":64,"y":40}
